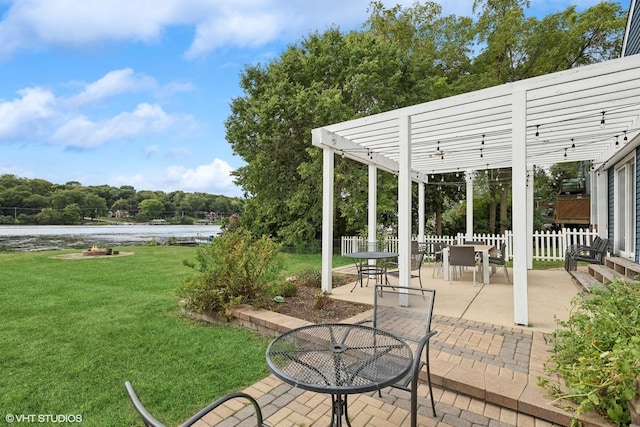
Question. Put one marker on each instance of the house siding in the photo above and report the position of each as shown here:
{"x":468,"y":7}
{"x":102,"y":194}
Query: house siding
{"x":632,"y":39}
{"x":636,"y":256}
{"x":610,"y":195}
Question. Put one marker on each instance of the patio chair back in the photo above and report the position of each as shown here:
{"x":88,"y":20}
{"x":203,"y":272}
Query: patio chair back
{"x":150,"y":421}
{"x":417,"y":258}
{"x":462,"y":256}
{"x":406,"y":312}
{"x":499,"y":259}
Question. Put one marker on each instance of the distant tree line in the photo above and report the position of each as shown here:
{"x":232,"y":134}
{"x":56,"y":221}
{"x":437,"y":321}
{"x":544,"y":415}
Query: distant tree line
{"x":37,"y":201}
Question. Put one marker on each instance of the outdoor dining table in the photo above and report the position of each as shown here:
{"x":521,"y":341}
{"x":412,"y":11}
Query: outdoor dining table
{"x":339,"y":359}
{"x":481,"y":249}
{"x":360,"y":257}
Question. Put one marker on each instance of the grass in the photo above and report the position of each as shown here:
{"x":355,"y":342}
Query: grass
{"x":74,"y":330}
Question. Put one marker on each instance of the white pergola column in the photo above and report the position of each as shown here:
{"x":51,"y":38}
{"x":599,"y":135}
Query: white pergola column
{"x":469,"y":178}
{"x":404,"y":201}
{"x":519,"y":206}
{"x":530,"y":210}
{"x":372,"y":223}
{"x":327,"y":218}
{"x":421,"y":208}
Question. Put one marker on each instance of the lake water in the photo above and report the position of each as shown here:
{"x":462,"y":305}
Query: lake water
{"x":48,"y":237}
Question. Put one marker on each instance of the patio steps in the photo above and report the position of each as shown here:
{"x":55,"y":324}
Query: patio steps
{"x":613,"y":268}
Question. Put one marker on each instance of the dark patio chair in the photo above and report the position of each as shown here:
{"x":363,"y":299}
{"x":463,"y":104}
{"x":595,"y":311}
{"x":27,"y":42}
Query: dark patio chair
{"x":573,"y":249}
{"x":462,"y":256}
{"x":406,"y":312}
{"x":437,"y":256}
{"x":150,"y":421}
{"x":592,"y":255}
{"x":499,"y":259}
{"x":417,"y":258}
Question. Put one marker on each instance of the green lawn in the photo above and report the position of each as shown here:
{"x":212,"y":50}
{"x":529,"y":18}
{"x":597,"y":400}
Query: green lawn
{"x":72,"y":332}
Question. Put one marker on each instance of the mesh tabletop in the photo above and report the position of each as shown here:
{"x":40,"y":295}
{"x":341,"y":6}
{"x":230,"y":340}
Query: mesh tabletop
{"x":339,"y":358}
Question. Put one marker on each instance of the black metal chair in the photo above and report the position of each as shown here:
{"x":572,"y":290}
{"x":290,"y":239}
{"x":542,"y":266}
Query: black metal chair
{"x":462,"y":256}
{"x":499,"y":259}
{"x":392,"y":307}
{"x":150,"y":421}
{"x":592,"y":255}
{"x":417,"y":258}
{"x":575,"y":249}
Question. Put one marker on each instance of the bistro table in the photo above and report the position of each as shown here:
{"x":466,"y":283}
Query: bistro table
{"x":359,"y":257}
{"x":481,"y":249}
{"x":339,"y":359}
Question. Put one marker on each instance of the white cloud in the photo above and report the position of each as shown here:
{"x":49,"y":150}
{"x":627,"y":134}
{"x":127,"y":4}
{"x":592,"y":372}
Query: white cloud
{"x":80,"y":132}
{"x":214,"y":177}
{"x":38,"y":115}
{"x":26,"y":114}
{"x":37,"y":24}
{"x":113,"y":83}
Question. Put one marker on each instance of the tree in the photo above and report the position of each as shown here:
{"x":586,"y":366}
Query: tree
{"x":151,"y":209}
{"x":327,"y":78}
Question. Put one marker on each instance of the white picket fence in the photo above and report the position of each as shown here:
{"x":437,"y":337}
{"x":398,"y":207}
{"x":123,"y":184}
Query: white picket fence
{"x":547,"y":245}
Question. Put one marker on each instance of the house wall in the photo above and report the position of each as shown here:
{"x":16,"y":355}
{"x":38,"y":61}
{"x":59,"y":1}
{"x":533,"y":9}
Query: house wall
{"x":632,"y":37}
{"x":611,"y":197}
{"x":637,"y":201}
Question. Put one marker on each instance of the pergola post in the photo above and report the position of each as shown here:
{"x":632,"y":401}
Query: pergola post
{"x":469,"y":178}
{"x":519,"y":206}
{"x":327,"y":218}
{"x":373,"y":211}
{"x":404,"y":201}
{"x":421,"y":208}
{"x":530,"y":210}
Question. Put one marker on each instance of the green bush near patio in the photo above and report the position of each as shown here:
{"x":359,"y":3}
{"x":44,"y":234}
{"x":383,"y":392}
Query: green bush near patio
{"x":73,"y":330}
{"x":233,"y":269}
{"x":596,"y":352}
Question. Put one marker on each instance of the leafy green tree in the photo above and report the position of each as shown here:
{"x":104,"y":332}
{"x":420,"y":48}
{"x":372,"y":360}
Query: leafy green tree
{"x":151,"y":209}
{"x":49,"y":216}
{"x":72,"y":214}
{"x":94,"y":206}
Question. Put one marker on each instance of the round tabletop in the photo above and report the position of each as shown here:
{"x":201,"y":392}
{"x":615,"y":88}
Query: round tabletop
{"x":371,"y":255}
{"x":339,"y":358}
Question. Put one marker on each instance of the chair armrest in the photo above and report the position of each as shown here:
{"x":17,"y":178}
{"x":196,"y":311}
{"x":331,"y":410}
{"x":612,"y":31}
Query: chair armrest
{"x":222,"y":400}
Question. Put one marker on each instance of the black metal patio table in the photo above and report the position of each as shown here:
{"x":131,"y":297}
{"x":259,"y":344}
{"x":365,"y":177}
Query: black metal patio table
{"x":339,"y":359}
{"x":359,"y":258}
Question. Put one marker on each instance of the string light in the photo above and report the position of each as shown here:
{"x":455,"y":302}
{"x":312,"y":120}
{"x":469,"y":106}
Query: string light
{"x":616,"y":140}
{"x":625,"y":136}
{"x":602,"y":121}
{"x":565,"y":153}
{"x":482,"y":139}
{"x":537,"y":131}
{"x":573,"y":145}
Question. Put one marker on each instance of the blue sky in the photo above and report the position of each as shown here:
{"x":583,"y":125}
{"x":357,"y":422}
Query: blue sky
{"x":136,"y":92}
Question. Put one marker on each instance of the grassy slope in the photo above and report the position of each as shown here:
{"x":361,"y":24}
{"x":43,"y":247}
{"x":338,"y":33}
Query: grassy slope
{"x":72,"y":331}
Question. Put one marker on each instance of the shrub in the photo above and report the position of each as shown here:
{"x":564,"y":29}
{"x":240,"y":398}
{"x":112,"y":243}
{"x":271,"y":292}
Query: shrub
{"x":311,"y":277}
{"x":285,"y":289}
{"x":234,"y":269}
{"x":597,"y":352}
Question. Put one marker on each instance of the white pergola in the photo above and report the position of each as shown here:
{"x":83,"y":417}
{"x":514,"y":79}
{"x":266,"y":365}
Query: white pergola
{"x":539,"y":121}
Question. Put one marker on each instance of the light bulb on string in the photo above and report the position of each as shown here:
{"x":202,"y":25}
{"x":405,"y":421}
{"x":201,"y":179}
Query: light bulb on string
{"x":602,"y":120}
{"x":565,"y":153}
{"x":616,"y":140}
{"x":625,"y":139}
{"x":482,"y":140}
{"x":537,"y":131}
{"x":573,"y":145}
